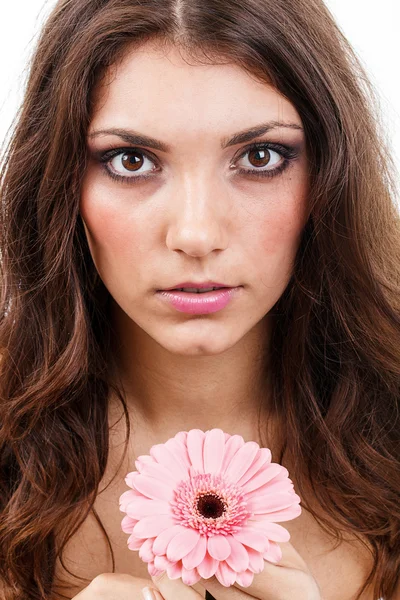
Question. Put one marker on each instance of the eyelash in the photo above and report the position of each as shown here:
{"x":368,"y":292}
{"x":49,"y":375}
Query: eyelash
{"x":287,"y":152}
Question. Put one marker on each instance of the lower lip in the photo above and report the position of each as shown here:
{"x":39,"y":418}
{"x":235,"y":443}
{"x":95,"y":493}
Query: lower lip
{"x":199,"y":304}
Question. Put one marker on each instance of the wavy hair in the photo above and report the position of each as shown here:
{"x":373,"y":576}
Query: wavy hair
{"x":335,"y":345}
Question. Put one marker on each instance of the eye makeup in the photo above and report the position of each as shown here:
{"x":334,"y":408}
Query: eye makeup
{"x":288,"y":154}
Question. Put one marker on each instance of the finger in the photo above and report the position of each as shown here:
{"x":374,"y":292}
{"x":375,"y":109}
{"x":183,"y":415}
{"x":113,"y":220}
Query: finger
{"x":174,"y":589}
{"x":276,"y":580}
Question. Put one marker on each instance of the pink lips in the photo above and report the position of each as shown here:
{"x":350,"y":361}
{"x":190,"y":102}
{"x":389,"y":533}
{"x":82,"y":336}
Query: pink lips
{"x":200,"y":304}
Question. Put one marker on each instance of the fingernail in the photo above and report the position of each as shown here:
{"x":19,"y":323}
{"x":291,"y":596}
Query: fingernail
{"x":148,"y":594}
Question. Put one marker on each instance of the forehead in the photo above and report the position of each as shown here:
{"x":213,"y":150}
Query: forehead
{"x":158,"y":86}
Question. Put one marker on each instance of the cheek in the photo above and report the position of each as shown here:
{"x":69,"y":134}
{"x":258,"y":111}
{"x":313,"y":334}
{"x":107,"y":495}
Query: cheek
{"x":111,"y":231}
{"x":279,"y":236}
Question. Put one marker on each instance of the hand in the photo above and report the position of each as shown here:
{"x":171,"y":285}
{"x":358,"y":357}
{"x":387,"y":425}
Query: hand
{"x":115,"y":586}
{"x":286,"y":580}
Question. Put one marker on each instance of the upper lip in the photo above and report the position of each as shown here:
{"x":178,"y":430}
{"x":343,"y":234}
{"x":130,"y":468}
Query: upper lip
{"x":198,"y":285}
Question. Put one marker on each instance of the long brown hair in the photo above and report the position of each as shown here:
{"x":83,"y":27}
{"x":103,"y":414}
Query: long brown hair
{"x":335,"y":346}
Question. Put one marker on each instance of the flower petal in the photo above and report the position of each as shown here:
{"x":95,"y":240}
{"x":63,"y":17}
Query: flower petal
{"x":161,"y":472}
{"x":163,"y":539}
{"x":270,"y":503}
{"x":241,"y":461}
{"x":175,"y":570}
{"x":232,"y":445}
{"x":134,"y":542}
{"x":145,"y":551}
{"x":190,"y":576}
{"x":161,"y":562}
{"x":164,"y":456}
{"x":153,"y":488}
{"x":256,"y":561}
{"x":152,"y":526}
{"x":245,"y":579}
{"x":225,"y":575}
{"x":195,"y":442}
{"x":196,"y":555}
{"x":179,"y":450}
{"x":283,"y":515}
{"x":127,"y":524}
{"x":218,"y":547}
{"x":274,"y":553}
{"x":262,"y":459}
{"x":238,"y":559}
{"x":253,"y":538}
{"x":207,"y":567}
{"x":182,"y":543}
{"x":273,"y":531}
{"x":262,"y":477}
{"x":143,"y":507}
{"x":213,"y":451}
{"x":152,"y":570}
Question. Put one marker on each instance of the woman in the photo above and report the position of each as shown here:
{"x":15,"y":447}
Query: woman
{"x":165,"y":144}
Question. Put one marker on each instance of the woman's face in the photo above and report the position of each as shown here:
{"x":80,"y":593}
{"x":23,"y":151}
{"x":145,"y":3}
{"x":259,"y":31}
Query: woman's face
{"x":193,"y":216}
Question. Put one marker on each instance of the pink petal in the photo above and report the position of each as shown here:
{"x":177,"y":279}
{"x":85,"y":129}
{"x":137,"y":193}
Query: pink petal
{"x":165,"y":457}
{"x":145,"y":552}
{"x":241,"y":461}
{"x":218,"y":547}
{"x":195,"y":442}
{"x":127,"y":524}
{"x":274,"y":553}
{"x":163,"y":539}
{"x":252,"y":538}
{"x":143,"y":459}
{"x":238,"y":559}
{"x":130,"y":479}
{"x":245,"y":579}
{"x":134,"y":543}
{"x":190,"y":576}
{"x":213,"y":451}
{"x":273,"y":470}
{"x":152,"y":488}
{"x":152,"y":570}
{"x":179,"y":450}
{"x":182,"y":543}
{"x":269,"y":503}
{"x":181,"y":436}
{"x":256,"y":561}
{"x":196,"y":555}
{"x":262,"y":477}
{"x":232,"y":445}
{"x":125,"y":498}
{"x":161,"y":472}
{"x":152,"y":526}
{"x":225,"y":575}
{"x":143,"y":507}
{"x":207,"y":567}
{"x":161,"y":562}
{"x":262,"y":459}
{"x":273,"y":531}
{"x":175,"y":570}
{"x":273,"y":487}
{"x":283,"y":515}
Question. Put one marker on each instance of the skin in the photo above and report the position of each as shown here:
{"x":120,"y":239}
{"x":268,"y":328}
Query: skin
{"x":195,"y":219}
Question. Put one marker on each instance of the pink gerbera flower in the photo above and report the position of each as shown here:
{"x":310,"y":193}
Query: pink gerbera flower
{"x":207,"y":503}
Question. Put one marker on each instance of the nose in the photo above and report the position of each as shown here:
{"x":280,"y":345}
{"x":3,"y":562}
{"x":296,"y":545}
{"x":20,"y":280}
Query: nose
{"x":198,"y":221}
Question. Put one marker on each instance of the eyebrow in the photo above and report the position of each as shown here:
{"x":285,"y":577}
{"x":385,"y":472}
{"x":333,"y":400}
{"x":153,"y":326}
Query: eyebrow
{"x":136,"y":138}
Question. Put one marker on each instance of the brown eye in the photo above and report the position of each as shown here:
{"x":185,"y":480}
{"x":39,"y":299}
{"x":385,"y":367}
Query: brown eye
{"x":131,"y":162}
{"x":259,"y":157}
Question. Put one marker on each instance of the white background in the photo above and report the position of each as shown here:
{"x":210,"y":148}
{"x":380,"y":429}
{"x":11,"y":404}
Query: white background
{"x":371,"y":27}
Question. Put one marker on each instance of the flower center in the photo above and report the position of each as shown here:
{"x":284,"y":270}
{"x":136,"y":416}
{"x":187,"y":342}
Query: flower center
{"x":210,"y":503}
{"x":210,"y":506}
